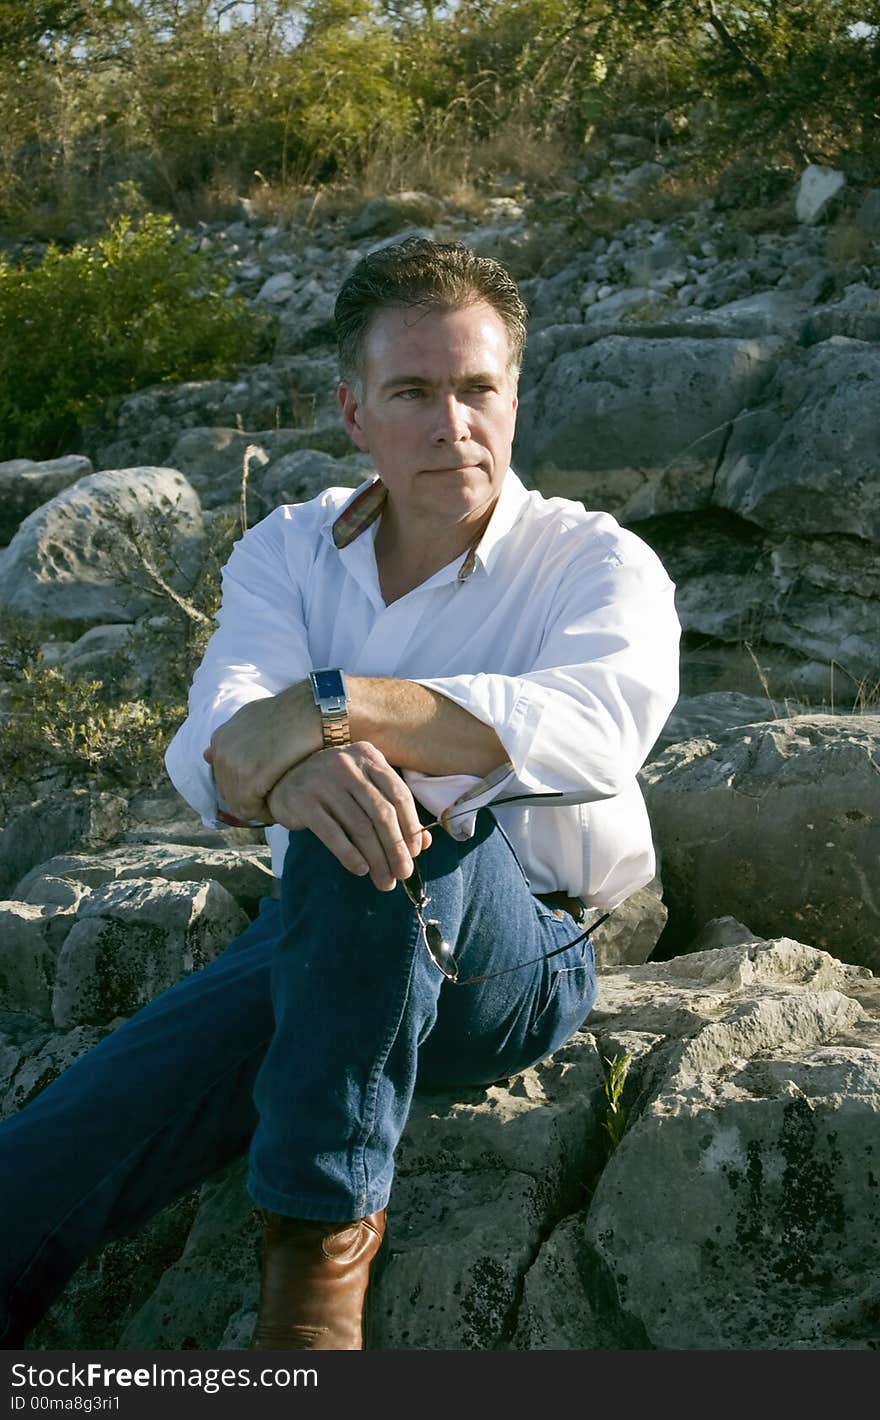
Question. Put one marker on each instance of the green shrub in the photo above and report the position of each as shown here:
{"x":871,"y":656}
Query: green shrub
{"x":93,"y":731}
{"x":106,"y":731}
{"x":134,"y":308}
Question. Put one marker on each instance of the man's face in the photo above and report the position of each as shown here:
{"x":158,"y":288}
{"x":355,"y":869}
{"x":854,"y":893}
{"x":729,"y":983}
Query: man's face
{"x":435,"y":408}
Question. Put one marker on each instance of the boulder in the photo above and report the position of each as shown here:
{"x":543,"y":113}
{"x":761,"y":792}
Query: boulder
{"x":776,"y":824}
{"x":150,"y":421}
{"x":213,"y":460}
{"x":244,"y":873}
{"x":703,"y":716}
{"x":818,"y":187}
{"x":56,"y":824}
{"x":868,"y":215}
{"x":26,"y":485}
{"x":633,"y":929}
{"x":731,"y":1206}
{"x":384,"y":214}
{"x":86,"y":555}
{"x":133,"y":939}
{"x":855,"y":315}
{"x":649,"y":415}
{"x":31,"y":937}
{"x":32,"y":1056}
{"x":806,"y":461}
{"x":759,"y":1135}
{"x":806,"y":607}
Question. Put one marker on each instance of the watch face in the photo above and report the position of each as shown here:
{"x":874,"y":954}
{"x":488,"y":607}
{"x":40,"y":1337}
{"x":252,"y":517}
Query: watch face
{"x":329,"y":685}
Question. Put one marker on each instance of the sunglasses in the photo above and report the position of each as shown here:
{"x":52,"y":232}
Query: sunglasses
{"x":436,"y":945}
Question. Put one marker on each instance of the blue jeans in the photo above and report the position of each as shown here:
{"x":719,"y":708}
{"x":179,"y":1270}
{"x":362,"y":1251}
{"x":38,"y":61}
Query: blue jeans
{"x":302,"y":1043}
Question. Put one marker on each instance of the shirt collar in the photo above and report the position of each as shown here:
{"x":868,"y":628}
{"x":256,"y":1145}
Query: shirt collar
{"x":368,"y":500}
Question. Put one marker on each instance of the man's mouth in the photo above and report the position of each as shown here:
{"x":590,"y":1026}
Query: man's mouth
{"x":453,"y":468}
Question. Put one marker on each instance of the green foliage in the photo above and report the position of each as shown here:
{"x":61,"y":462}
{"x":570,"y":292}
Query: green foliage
{"x":168,"y":99}
{"x":614,"y":1123}
{"x":82,"y":726}
{"x":108,"y":732}
{"x":132,"y":309}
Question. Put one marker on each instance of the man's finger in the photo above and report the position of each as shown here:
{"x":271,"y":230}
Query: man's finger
{"x":331,"y":833}
{"x":396,"y":790}
{"x":384,"y":816}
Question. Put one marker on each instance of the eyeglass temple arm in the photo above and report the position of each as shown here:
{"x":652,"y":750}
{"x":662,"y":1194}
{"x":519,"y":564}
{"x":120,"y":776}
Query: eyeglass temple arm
{"x":508,"y":799}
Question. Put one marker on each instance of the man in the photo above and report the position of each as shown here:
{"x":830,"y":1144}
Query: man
{"x":437,"y":692}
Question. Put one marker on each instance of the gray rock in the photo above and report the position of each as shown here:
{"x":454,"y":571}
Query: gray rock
{"x":150,"y":422}
{"x":31,"y":1057}
{"x":134,"y":939}
{"x":215,"y":1277}
{"x":634,"y":302}
{"x":760,"y":313}
{"x":722,"y":932}
{"x":776,"y":824}
{"x":649,"y":413}
{"x":805,"y":607}
{"x":54,"y":825}
{"x":777,"y":1246}
{"x":856,"y":316}
{"x":26,"y":485}
{"x":710,"y":714}
{"x":245,"y":874}
{"x":394,"y":211}
{"x":308,"y":320}
{"x":625,"y":187}
{"x":296,"y":477}
{"x":555,"y":1313}
{"x":100,"y":651}
{"x":278,"y":289}
{"x":749,"y":1104}
{"x":868,"y":215}
{"x":807,"y":461}
{"x":79,"y":556}
{"x":213,"y":459}
{"x":633,"y":929}
{"x":819,"y":186}
{"x":30,"y":939}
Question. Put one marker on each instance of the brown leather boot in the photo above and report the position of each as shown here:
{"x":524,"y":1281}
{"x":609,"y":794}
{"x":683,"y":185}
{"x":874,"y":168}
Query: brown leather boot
{"x":314,"y":1281}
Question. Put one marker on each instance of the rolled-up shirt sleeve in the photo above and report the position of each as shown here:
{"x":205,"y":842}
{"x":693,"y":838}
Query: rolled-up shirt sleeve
{"x":259,"y":648}
{"x":581,"y":722}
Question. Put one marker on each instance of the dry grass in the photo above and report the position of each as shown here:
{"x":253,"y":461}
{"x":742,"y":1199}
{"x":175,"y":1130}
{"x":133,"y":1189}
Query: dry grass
{"x":848,"y":242}
{"x":847,"y":695}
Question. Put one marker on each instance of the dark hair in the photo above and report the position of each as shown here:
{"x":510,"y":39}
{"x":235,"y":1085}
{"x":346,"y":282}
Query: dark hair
{"x":418,"y":272}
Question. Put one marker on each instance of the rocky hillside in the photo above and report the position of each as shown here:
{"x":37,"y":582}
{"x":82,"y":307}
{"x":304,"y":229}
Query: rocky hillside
{"x":713,"y":379}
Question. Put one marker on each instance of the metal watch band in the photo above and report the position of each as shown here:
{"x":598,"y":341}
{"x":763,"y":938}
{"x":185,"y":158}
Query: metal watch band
{"x":337,"y":730}
{"x":331,"y":697}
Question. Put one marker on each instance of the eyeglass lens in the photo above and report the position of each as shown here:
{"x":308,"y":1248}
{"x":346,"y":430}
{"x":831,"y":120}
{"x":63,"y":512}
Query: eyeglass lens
{"x":437,"y":947}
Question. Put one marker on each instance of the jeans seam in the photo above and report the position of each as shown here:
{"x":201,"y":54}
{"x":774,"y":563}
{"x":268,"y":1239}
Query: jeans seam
{"x":83,"y":1198}
{"x":372,"y":1090}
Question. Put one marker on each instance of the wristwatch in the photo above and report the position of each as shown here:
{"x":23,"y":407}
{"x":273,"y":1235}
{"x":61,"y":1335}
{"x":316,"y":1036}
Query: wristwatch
{"x":331,"y":698}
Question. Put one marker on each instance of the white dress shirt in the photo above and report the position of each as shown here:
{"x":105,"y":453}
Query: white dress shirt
{"x":560,"y":632}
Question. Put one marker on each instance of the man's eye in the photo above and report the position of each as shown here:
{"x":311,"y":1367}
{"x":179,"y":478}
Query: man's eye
{"x":414,"y":393}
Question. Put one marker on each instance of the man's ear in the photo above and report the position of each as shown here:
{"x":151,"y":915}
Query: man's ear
{"x":349,"y":403}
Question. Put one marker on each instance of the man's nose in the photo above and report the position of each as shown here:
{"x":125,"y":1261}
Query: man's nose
{"x":452,"y":423}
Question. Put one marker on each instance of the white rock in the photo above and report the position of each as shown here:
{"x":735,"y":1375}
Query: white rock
{"x":818,"y":186}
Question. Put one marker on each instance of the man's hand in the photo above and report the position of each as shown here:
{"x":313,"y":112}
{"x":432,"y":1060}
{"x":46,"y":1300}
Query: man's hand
{"x":262,"y":740}
{"x":359,"y":807}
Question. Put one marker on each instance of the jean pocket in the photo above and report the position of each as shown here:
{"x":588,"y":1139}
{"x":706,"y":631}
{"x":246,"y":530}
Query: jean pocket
{"x":568,"y":999}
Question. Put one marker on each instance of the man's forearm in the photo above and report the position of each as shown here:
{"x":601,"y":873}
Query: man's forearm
{"x":417,"y":728}
{"x":412,"y":726}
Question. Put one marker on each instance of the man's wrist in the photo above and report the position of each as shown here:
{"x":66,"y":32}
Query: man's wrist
{"x":299,"y":725}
